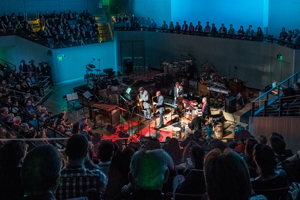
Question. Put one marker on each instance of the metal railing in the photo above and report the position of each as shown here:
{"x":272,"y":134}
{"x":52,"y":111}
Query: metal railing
{"x":7,"y":65}
{"x":268,"y":103}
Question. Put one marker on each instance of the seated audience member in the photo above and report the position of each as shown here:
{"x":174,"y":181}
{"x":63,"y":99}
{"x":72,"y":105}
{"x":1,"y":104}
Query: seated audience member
{"x":207,"y":29}
{"x":86,"y":132}
{"x":262,"y":139}
{"x":269,"y":178}
{"x":291,"y":166}
{"x":118,"y":172}
{"x":289,"y":36}
{"x":184,"y":28}
{"x":82,"y":121}
{"x":194,"y":182}
{"x":214,"y":30}
{"x":283,"y":34}
{"x":234,"y":184}
{"x":287,"y":152}
{"x":5,"y":18}
{"x":295,"y":35}
{"x":278,"y":146}
{"x":251,"y":142}
{"x":191,"y":29}
{"x":164,"y":27}
{"x":3,"y":113}
{"x":147,"y":185}
{"x":62,"y":121}
{"x":198,"y":28}
{"x":259,"y":34}
{"x":171,"y":27}
{"x":16,"y":123}
{"x":153,"y":25}
{"x":153,"y":143}
{"x":177,"y":28}
{"x":105,"y":154}
{"x":222,"y":31}
{"x":40,"y":173}
{"x":249,"y":33}
{"x":11,"y":157}
{"x":241,"y":33}
{"x":10,"y":28}
{"x":29,"y":106}
{"x":70,"y":187}
{"x":3,"y":28}
{"x":76,"y":129}
{"x":173,"y":149}
{"x":231,"y":31}
{"x":19,"y":27}
{"x":9,"y":119}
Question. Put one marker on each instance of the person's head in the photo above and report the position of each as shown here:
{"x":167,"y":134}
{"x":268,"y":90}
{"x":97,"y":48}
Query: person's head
{"x":278,"y":145}
{"x":290,"y":32}
{"x":105,"y":151}
{"x":158,"y":93}
{"x":250,"y":26}
{"x":28,"y":102}
{"x":207,"y":23}
{"x":277,"y":135}
{"x":141,"y":89}
{"x":204,"y":100}
{"x":85,"y":127}
{"x":184,"y":22}
{"x":296,"y":31}
{"x":232,"y":143}
{"x":262,"y":139}
{"x":226,"y":176}
{"x":251,"y":142}
{"x":76,"y":128}
{"x":297,"y":86}
{"x":77,"y":147}
{"x":283,"y":29}
{"x":265,"y":160}
{"x":199,"y":22}
{"x":12,"y":154}
{"x":217,"y":144}
{"x":258,"y":29}
{"x":153,"y":161}
{"x":4,"y":111}
{"x":17,"y":120}
{"x":164,"y":22}
{"x":197,"y":156}
{"x":223,"y":25}
{"x":10,"y":117}
{"x":241,"y":28}
{"x":61,"y":128}
{"x":152,"y":144}
{"x":191,"y":24}
{"x":22,"y":63}
{"x":177,"y":84}
{"x":213,"y":24}
{"x":41,"y":170}
{"x":177,"y":23}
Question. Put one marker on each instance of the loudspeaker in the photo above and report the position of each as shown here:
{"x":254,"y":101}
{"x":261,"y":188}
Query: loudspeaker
{"x":230,"y":104}
{"x":111,"y":129}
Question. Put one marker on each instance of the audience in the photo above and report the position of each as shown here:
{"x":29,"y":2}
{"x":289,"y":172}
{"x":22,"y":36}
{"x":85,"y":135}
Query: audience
{"x":105,"y":154}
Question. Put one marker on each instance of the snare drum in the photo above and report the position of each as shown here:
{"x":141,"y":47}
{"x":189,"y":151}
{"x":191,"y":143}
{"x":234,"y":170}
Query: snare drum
{"x":176,"y":132}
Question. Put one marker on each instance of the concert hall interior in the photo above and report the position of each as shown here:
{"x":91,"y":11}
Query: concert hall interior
{"x":149,"y":99}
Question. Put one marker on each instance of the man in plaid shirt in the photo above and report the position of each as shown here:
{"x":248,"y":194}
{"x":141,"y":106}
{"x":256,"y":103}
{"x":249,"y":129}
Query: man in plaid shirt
{"x":76,"y":179}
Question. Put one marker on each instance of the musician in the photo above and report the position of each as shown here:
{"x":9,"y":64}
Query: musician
{"x":205,"y":107}
{"x":178,"y":90}
{"x":160,"y":105}
{"x":195,"y":125}
{"x":145,"y":98}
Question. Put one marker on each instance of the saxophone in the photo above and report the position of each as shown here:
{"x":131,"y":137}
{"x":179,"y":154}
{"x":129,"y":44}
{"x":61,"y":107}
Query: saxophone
{"x":153,"y":106}
{"x":140,"y":104}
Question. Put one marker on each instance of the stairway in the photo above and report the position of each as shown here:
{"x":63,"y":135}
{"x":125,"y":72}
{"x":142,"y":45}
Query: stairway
{"x":104,"y":28}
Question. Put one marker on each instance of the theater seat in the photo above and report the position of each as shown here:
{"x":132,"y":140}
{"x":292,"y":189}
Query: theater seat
{"x":274,"y":194}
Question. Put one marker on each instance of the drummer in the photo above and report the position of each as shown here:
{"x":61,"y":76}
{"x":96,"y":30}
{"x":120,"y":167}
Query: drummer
{"x":178,"y":91}
{"x":196,"y":123}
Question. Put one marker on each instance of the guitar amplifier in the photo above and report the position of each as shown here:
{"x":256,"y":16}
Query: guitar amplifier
{"x":193,"y":84}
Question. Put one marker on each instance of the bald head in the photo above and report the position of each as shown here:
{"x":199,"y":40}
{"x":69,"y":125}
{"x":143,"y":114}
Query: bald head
{"x":204,"y":100}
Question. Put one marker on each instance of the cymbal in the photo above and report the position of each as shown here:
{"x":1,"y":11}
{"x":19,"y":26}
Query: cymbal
{"x":90,"y":70}
{"x":91,"y":66}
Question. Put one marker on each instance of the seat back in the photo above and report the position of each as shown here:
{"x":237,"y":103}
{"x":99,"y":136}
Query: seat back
{"x":179,"y":196}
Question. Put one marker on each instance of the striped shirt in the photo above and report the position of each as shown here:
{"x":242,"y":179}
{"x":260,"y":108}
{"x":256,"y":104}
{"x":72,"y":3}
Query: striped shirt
{"x":75,"y":181}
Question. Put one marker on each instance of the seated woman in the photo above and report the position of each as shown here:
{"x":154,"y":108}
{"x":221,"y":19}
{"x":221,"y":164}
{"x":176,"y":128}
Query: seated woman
{"x":214,"y":31}
{"x":259,"y":34}
{"x":241,"y":33}
{"x":171,"y":27}
{"x":30,"y":107}
{"x":191,"y":29}
{"x":61,"y":120}
{"x":270,"y":182}
{"x":194,"y":182}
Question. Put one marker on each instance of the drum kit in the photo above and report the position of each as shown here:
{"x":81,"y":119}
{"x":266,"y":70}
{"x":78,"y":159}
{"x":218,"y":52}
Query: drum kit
{"x":177,"y":68}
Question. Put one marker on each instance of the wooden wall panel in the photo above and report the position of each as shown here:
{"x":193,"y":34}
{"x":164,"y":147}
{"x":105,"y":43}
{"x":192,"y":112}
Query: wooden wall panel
{"x":289,"y":127}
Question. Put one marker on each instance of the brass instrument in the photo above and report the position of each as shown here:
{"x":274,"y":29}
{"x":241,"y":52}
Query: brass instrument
{"x":153,"y":106}
{"x":140,"y":104}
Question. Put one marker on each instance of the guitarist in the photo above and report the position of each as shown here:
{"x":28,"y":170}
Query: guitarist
{"x":145,"y":100}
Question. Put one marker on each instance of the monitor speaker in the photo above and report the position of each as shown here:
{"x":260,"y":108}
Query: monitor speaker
{"x":230,"y":104}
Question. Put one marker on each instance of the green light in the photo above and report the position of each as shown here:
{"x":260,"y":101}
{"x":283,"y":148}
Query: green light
{"x":128,"y":90}
{"x":60,"y":57}
{"x":279,"y":56}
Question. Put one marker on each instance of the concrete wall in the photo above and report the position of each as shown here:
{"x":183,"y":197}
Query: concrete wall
{"x":14,"y":49}
{"x":283,"y":14}
{"x":31,"y":6}
{"x":256,"y":61}
{"x":71,"y":67}
{"x":76,"y":58}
